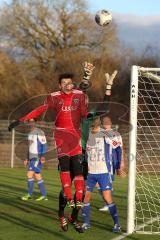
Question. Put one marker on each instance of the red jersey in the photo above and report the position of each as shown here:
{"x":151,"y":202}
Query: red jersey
{"x":69,"y":109}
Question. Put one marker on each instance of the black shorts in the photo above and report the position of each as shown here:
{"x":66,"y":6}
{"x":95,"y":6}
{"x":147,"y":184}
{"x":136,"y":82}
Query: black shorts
{"x":71,"y":164}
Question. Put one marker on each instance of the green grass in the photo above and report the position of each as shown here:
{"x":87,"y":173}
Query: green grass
{"x":38,"y":220}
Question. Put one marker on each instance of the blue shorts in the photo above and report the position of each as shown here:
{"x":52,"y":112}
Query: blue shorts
{"x":103,"y":179}
{"x":35,"y":165}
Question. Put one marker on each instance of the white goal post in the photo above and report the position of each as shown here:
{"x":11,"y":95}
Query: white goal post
{"x":144,"y":152}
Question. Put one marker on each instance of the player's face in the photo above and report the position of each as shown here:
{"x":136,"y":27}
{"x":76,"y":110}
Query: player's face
{"x":32,"y":124}
{"x":66,"y":85}
{"x":96,"y":125}
{"x":106,"y":123}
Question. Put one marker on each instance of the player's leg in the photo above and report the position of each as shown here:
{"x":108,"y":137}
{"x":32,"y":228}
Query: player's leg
{"x":76,"y":166}
{"x":73,"y":218}
{"x":64,"y":167}
{"x":62,"y":205}
{"x":75,"y":211}
{"x":37,"y":167}
{"x":30,"y":176}
{"x":30,"y":181}
{"x":41,"y":186}
{"x":91,"y":182}
{"x":106,"y":187}
{"x":85,"y":169}
{"x":105,"y":207}
{"x":112,"y":210}
{"x":64,"y":142}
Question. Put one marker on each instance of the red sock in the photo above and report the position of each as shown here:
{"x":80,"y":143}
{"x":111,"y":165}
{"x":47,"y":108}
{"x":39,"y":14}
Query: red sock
{"x":66,"y":184}
{"x":79,"y":187}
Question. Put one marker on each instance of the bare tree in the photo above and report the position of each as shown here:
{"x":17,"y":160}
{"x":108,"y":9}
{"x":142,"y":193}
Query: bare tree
{"x":47,"y":37}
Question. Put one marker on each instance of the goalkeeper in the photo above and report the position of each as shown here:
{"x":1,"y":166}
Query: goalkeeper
{"x":85,"y":125}
{"x":70,"y":106}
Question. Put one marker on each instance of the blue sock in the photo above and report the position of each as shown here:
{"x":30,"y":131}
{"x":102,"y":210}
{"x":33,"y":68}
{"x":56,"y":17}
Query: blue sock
{"x":86,"y":213}
{"x":41,"y":187}
{"x":113,"y":211}
{"x":30,"y":186}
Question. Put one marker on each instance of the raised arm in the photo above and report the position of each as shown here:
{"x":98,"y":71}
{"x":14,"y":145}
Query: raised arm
{"x":33,"y":114}
{"x":104,"y":107}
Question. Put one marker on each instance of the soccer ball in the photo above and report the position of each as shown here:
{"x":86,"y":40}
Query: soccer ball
{"x":103,"y":17}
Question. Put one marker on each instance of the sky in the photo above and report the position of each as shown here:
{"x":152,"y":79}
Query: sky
{"x":136,"y":7}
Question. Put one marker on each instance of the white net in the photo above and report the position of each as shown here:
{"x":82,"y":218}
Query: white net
{"x":148,"y":152}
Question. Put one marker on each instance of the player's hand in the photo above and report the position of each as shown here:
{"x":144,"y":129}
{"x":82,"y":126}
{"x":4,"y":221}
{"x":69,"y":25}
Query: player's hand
{"x":88,"y":69}
{"x":42,"y":159}
{"x":85,"y":83}
{"x":110,"y":79}
{"x":13,"y":125}
{"x":121,"y":173}
{"x":25,"y":162}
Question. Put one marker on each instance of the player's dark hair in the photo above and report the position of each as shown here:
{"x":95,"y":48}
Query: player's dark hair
{"x":104,"y":116}
{"x":64,"y":76}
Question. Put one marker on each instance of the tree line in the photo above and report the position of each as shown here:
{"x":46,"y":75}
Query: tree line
{"x":41,"y":39}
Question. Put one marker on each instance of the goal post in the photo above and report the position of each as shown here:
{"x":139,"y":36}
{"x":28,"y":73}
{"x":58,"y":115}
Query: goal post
{"x":132,"y":149}
{"x":144,"y":152}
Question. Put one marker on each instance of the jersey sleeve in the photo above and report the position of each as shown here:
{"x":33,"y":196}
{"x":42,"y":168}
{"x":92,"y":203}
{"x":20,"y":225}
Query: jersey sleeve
{"x":39,"y":110}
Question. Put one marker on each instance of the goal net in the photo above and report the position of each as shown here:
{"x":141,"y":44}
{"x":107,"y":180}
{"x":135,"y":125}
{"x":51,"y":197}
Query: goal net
{"x":144,"y":154}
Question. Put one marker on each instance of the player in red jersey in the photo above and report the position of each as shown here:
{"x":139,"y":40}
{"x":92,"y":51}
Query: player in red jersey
{"x":70,"y":106}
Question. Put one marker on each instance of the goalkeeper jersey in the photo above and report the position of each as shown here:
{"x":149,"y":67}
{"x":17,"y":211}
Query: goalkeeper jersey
{"x":69,"y":109}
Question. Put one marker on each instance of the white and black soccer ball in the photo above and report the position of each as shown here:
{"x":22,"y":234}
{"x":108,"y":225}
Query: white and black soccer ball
{"x":103,"y":17}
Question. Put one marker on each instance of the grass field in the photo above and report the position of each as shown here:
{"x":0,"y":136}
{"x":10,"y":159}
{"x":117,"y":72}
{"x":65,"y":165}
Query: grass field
{"x":38,"y":220}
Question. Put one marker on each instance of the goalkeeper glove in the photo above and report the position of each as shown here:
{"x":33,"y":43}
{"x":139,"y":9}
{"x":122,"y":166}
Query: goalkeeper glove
{"x":13,"y":125}
{"x":85,"y":83}
{"x":110,"y":79}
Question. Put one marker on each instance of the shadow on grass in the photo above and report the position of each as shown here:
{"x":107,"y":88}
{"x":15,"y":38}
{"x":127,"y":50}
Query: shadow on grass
{"x":32,"y":226}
